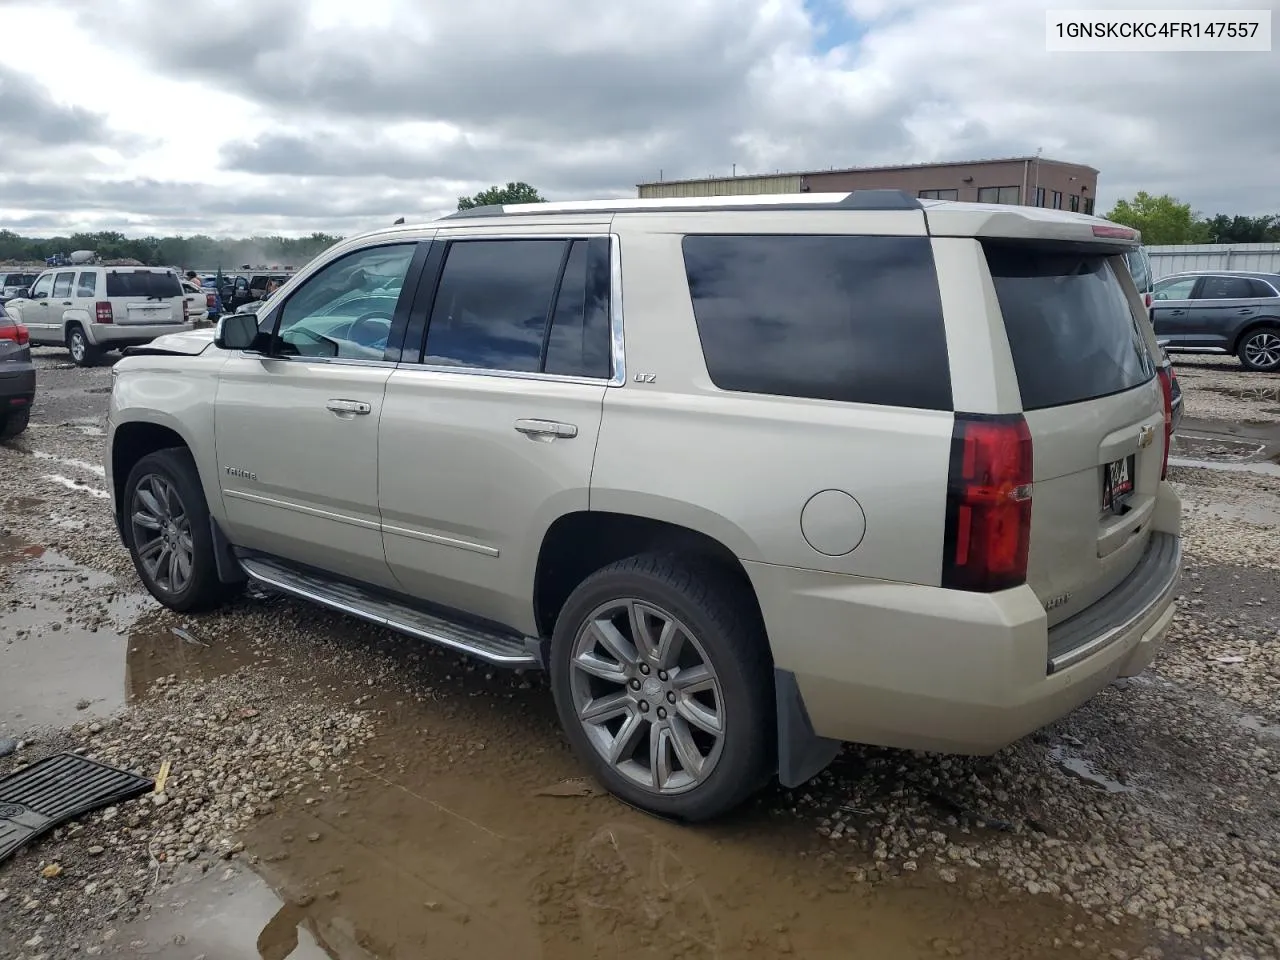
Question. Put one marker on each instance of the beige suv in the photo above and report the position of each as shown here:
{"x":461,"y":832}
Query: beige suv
{"x":750,"y":477}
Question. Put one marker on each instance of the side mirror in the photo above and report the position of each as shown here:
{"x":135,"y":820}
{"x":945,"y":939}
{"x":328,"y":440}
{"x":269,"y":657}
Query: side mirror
{"x":236,"y":331}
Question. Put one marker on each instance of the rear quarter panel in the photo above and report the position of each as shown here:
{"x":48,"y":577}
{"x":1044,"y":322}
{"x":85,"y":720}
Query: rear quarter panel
{"x":741,"y":467}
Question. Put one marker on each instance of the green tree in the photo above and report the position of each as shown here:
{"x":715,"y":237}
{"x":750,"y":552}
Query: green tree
{"x":1162,"y":220}
{"x":1225,"y":229}
{"x":515,"y":192}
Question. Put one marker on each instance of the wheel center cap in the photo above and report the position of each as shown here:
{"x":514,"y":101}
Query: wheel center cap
{"x":652,"y":687}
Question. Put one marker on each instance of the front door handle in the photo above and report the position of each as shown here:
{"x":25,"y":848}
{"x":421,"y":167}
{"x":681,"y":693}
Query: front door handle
{"x":546,"y":429}
{"x":348,"y":408}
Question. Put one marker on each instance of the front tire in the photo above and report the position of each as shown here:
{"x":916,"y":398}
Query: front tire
{"x":1260,"y":350}
{"x":166,"y":527}
{"x":663,"y":682}
{"x":83,"y":353}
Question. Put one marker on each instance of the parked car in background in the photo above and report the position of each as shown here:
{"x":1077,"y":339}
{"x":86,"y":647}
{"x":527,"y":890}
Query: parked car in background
{"x":198,"y":302}
{"x":518,"y":477}
{"x":1220,"y":311}
{"x":13,"y":284}
{"x":17,"y":376}
{"x":241,"y":289}
{"x":1139,"y":263}
{"x":94,"y":308}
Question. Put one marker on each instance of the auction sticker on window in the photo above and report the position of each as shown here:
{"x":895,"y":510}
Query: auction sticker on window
{"x":1151,"y":31}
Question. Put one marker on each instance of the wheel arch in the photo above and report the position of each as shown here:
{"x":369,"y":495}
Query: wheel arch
{"x":1252,"y":327}
{"x":134,"y":439}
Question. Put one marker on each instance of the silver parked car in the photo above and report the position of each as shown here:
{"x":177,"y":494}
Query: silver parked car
{"x":1221,"y":311}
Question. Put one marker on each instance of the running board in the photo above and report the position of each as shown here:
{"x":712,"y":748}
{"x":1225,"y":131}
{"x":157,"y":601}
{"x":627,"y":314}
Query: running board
{"x":492,"y":646}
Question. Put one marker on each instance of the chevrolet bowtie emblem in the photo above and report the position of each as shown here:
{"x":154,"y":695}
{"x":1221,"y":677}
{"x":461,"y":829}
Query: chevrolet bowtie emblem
{"x":1146,"y":435}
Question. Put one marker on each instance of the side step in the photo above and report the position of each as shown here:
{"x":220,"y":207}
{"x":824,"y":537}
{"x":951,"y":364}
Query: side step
{"x":503,"y":649}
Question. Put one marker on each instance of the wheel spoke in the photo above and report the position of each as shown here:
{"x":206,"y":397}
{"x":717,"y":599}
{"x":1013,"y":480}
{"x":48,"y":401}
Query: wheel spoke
{"x":686,"y":749}
{"x":696,"y":679}
{"x":614,"y":643}
{"x":606,"y":708}
{"x":173,"y":569}
{"x":659,"y":755}
{"x":148,"y":552}
{"x":597,"y":666}
{"x":183,"y":568}
{"x":146,"y":520}
{"x":152,"y":504}
{"x":624,"y":744}
{"x":699,"y":715}
{"x":162,"y":558}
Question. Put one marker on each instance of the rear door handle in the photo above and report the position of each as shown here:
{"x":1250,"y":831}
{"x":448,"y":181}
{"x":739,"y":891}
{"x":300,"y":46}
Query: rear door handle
{"x":546,"y":429}
{"x":348,"y":408}
{"x":66,"y":303}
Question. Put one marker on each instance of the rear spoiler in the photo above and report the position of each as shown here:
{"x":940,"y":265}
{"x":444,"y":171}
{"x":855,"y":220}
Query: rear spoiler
{"x":993,"y":221}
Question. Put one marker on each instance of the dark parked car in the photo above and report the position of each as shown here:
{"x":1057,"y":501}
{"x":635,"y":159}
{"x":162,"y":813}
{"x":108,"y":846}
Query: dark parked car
{"x":1221,"y":311}
{"x":246,"y":288}
{"x":17,"y":377}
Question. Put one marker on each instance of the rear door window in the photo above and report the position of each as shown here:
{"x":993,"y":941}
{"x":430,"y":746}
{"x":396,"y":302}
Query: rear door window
{"x":1226,"y":288}
{"x":62,"y":284}
{"x":87,"y":285}
{"x":144,"y":284}
{"x":1070,"y":327}
{"x":848,"y":318}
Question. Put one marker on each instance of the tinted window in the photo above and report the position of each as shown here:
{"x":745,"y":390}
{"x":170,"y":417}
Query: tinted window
{"x":143,"y":283}
{"x":42,"y":286}
{"x":493,"y":302}
{"x":1179,"y":289}
{"x":87,"y":285}
{"x":1137,"y":261}
{"x":62,"y":284}
{"x":1263,"y":289}
{"x":339,"y":311}
{"x":857,"y":319}
{"x":578,"y":340}
{"x":939,"y":194}
{"x":1071,"y":331}
{"x":998,"y":194}
{"x":1225,"y":288}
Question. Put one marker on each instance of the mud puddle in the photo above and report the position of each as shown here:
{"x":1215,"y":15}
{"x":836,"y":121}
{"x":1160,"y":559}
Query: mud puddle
{"x":77,"y":645}
{"x":1216,"y":449}
{"x":467,"y":832}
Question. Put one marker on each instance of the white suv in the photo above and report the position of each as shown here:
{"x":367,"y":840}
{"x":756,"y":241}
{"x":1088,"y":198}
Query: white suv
{"x":91,"y":309}
{"x":749,"y":476}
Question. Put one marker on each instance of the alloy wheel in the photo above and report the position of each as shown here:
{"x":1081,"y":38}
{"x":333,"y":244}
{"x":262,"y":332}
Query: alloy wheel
{"x":1263,"y":349}
{"x":647,"y":696}
{"x":162,"y":533}
{"x":77,"y":346}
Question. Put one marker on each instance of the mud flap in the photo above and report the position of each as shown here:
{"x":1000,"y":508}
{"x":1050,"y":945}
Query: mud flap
{"x":802,"y":754}
{"x":51,"y":791}
{"x":224,"y":558}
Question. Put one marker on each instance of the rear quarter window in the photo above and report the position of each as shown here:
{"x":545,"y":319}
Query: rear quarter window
{"x":143,"y":283}
{"x":848,"y":318}
{"x":1070,"y":328}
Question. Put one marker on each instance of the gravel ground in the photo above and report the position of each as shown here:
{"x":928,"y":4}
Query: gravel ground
{"x":1154,"y":807}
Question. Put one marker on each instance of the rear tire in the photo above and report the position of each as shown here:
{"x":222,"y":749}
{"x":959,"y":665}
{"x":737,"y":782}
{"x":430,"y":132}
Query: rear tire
{"x":14,"y":423}
{"x":83,"y":353}
{"x":643,"y":716}
{"x":1260,"y":349}
{"x":166,"y":527}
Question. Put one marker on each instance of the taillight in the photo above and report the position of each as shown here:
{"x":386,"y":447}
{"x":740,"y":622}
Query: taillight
{"x":1146,"y":299}
{"x":15,"y":332}
{"x":1166,"y":388}
{"x":102,"y":312}
{"x":211,"y":301}
{"x":988,"y":532}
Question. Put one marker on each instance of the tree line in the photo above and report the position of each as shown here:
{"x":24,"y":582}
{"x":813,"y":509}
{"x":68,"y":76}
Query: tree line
{"x":195,"y":251}
{"x":1163,"y":220}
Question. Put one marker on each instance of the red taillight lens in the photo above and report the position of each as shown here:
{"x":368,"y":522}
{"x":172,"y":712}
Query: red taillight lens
{"x":102,"y":312}
{"x":211,"y":300}
{"x":1146,"y":299}
{"x":988,"y":534}
{"x":1166,"y":388}
{"x":16,"y":332}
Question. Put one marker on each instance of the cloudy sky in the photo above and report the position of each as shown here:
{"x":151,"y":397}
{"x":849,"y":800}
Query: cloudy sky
{"x":288,"y":116}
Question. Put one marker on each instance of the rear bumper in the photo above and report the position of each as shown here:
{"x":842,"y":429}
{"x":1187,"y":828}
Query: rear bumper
{"x":17,"y":382}
{"x":114,"y":335}
{"x":923,"y":668}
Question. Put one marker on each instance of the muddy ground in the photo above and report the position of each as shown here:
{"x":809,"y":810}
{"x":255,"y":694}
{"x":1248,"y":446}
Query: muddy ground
{"x":336,"y":791}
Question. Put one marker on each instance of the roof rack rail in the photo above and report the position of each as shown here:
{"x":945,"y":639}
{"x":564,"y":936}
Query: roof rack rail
{"x":867,"y":200}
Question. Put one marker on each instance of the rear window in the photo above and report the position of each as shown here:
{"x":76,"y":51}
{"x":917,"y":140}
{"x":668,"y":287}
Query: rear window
{"x":143,"y":283}
{"x":854,"y":319}
{"x":1071,"y":331}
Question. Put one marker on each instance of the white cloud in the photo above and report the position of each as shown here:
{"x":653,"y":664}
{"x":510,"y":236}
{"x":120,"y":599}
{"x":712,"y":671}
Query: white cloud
{"x":298,"y":115}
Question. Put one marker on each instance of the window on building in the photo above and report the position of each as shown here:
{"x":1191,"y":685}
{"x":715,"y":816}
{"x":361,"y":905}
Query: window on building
{"x":849,"y":318}
{"x":1088,"y":205}
{"x":1039,"y":196}
{"x":998,"y":195}
{"x":939,"y":194}
{"x":1057,"y":199}
{"x":1075,"y":203}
